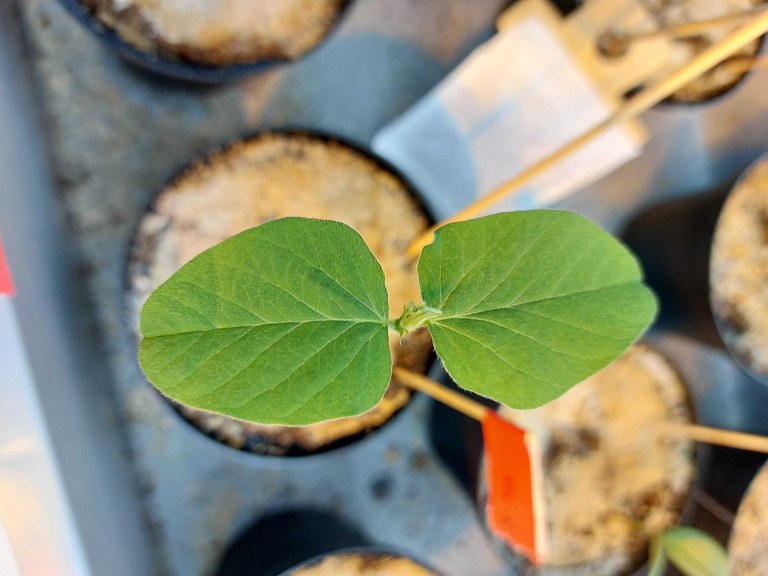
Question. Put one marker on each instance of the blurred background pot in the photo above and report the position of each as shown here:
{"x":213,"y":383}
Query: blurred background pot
{"x":673,"y":241}
{"x":723,"y":77}
{"x":279,"y":541}
{"x":746,"y":548}
{"x":610,"y":480}
{"x":361,"y":562}
{"x":312,"y":542}
{"x":209,"y":42}
{"x":738,"y":272}
{"x":706,"y":257}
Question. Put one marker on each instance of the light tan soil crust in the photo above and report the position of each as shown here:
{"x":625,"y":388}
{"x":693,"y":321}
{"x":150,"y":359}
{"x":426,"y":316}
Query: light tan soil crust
{"x":747,"y":548}
{"x":220,"y":32}
{"x":739,"y":269}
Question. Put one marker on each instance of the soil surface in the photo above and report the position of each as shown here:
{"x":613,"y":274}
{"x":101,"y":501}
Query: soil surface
{"x":746,"y":549}
{"x":222,"y":32}
{"x":739,"y":270}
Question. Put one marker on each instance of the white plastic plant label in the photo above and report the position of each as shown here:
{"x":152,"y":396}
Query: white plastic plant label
{"x":513,"y":101}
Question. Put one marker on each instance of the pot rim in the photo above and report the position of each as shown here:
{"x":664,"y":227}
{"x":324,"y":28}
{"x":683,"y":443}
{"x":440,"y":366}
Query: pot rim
{"x":150,"y":207}
{"x":179,"y":69}
{"x":481,"y":496}
{"x":375,"y":550}
{"x":720,"y":322}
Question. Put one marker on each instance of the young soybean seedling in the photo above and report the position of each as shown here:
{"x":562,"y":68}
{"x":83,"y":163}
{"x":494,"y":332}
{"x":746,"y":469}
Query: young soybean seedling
{"x":287,"y":323}
{"x":691,"y":551}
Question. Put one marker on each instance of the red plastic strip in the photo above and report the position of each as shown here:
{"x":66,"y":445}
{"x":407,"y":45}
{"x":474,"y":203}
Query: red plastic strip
{"x":7,"y":287}
{"x":510,"y":507}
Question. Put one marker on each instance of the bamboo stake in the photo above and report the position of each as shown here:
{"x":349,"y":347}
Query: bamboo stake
{"x":717,"y":436}
{"x":457,"y":401}
{"x":477,"y":411}
{"x":639,"y":103}
{"x":689,"y":29}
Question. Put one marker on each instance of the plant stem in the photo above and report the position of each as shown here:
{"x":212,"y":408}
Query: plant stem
{"x":658,"y":560}
{"x":413,"y":317}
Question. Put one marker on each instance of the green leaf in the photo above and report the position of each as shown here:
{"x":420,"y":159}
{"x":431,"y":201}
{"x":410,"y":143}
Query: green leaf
{"x":284,"y":323}
{"x":691,"y":551}
{"x":532,"y":303}
{"x":657,"y":560}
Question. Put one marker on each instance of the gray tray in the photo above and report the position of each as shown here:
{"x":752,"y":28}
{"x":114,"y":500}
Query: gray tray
{"x":96,"y":139}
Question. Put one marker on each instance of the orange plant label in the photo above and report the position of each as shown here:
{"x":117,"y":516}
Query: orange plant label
{"x":6,"y":280}
{"x":514,"y":496}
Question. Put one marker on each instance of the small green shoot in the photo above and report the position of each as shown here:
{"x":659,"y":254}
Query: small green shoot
{"x":287,"y":323}
{"x":692,"y":552}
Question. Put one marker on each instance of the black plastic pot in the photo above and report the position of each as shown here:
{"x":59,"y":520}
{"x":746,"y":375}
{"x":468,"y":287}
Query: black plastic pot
{"x":280,"y":541}
{"x":578,"y":441}
{"x":255,"y":444}
{"x":731,"y":318}
{"x":673,"y":242}
{"x":288,"y":541}
{"x":177,"y":69}
{"x":375,"y":557}
{"x":746,"y":548}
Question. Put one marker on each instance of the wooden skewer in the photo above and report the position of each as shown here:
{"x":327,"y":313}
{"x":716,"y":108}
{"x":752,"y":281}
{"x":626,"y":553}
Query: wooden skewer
{"x":477,"y":411}
{"x":634,"y":106}
{"x":689,"y":29}
{"x":457,"y":401}
{"x":717,"y":436}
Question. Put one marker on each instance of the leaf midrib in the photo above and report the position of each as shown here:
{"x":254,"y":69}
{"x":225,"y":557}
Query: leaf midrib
{"x":500,"y":357}
{"x":516,"y":305}
{"x":282,"y":323}
{"x":480,"y":259}
{"x":302,"y":406}
{"x":282,"y":380}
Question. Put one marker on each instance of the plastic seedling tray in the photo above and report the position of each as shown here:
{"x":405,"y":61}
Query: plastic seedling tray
{"x":110,"y":139}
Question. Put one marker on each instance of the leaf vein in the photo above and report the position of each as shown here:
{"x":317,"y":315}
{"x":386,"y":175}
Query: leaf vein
{"x":331,"y":278}
{"x":526,"y":336}
{"x":239,"y":372}
{"x":324,"y":387}
{"x":581,"y":328}
{"x":281,"y":288}
{"x":180,"y":354}
{"x":292,"y":372}
{"x":517,"y":305}
{"x":224,"y":348}
{"x":500,"y":357}
{"x":512,"y":268}
{"x":219,"y":296}
{"x":235,"y":327}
